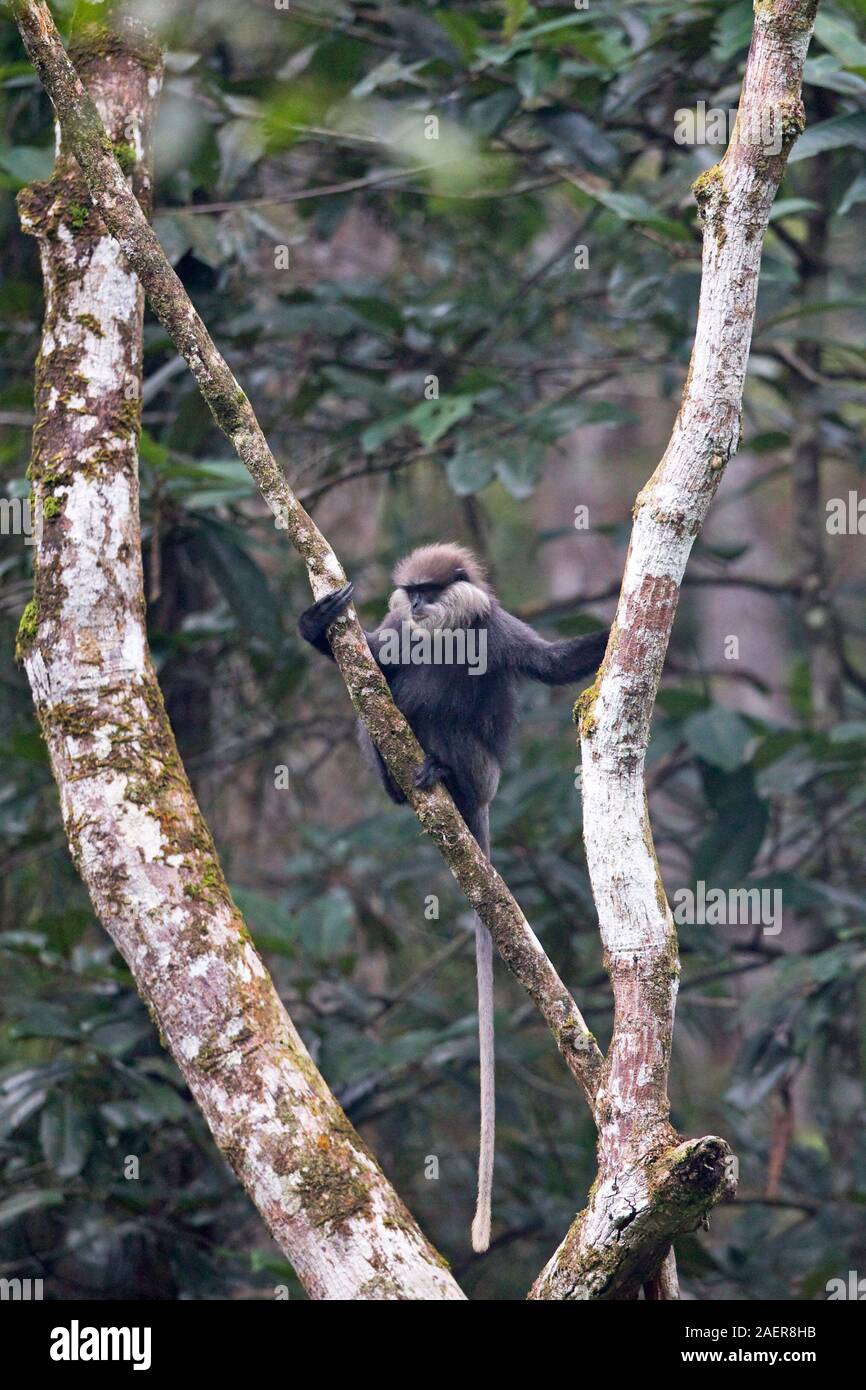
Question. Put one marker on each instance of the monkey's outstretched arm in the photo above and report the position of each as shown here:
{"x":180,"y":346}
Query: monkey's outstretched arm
{"x":561,"y":663}
{"x":552,"y":663}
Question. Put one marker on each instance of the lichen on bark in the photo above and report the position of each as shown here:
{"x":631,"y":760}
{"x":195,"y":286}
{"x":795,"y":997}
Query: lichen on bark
{"x":134,"y":830}
{"x":635,"y":923}
{"x":84,"y":135}
{"x":647,"y":1184}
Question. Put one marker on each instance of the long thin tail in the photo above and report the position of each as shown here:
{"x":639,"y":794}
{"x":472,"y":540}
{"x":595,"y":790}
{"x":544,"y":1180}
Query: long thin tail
{"x":487,"y":1053}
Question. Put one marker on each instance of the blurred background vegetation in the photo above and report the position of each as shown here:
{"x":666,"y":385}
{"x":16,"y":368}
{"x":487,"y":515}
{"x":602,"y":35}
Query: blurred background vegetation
{"x":341,"y":257}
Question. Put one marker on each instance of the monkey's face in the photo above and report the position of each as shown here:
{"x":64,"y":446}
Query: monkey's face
{"x":424,"y":599}
{"x":455,"y":604}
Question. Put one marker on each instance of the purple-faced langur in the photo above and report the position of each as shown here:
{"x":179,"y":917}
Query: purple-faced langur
{"x":462,"y":714}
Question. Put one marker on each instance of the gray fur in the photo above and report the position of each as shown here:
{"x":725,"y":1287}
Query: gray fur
{"x":464,"y":723}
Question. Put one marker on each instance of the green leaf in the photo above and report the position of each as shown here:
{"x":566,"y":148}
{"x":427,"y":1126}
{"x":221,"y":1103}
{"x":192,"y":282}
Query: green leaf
{"x":21,"y":1096}
{"x":822,"y":306}
{"x":841,"y":38}
{"x":326,"y":926}
{"x":469,"y":470}
{"x":363,"y":385}
{"x":489,"y":114}
{"x":462,"y":30}
{"x":124,"y":1114}
{"x":785,"y":773}
{"x":556,"y":33}
{"x":243,"y":583}
{"x":789,"y":207}
{"x":23,"y":1202}
{"x":850,"y":731}
{"x":26,"y":163}
{"x":381,"y":431}
{"x":241,"y":144}
{"x":680,"y":703}
{"x":119,"y":1036}
{"x":44,"y":1020}
{"x":602,"y":50}
{"x":515,"y":13}
{"x":835,"y":134}
{"x":65,"y":1136}
{"x":727,"y":851}
{"x":266,"y":1261}
{"x":433,"y":419}
{"x":631,"y":207}
{"x":719,"y":736}
{"x":724,"y":550}
{"x":825,"y":72}
{"x":748,"y":1091}
{"x":206,"y":241}
{"x":378,"y":313}
{"x":557,"y":420}
{"x":768,"y":441}
{"x":388,"y":73}
{"x":576,"y":133}
{"x":173,"y":230}
{"x":518,"y":469}
{"x":733,"y":31}
{"x":272,"y":923}
{"x":856,"y":193}
{"x":534,"y":74}
{"x":160,"y":1101}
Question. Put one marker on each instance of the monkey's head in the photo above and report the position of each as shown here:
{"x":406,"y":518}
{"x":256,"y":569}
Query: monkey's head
{"x":440,"y":586}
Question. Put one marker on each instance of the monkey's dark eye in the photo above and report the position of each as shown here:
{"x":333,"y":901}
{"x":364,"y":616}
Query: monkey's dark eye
{"x":427,"y":592}
{"x":459,"y":576}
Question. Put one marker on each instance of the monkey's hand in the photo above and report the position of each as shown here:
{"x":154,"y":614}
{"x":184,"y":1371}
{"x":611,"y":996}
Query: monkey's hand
{"x":429,"y":773}
{"x":315,"y":621}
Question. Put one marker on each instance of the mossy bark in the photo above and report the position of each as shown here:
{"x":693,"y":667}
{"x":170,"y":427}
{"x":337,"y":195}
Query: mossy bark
{"x":643,"y":1184}
{"x":650,"y":1186}
{"x":84,"y":134}
{"x":135,"y":831}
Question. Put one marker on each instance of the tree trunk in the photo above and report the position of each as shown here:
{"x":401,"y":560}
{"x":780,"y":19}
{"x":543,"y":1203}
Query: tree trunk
{"x":134,"y":829}
{"x":642,"y":1169}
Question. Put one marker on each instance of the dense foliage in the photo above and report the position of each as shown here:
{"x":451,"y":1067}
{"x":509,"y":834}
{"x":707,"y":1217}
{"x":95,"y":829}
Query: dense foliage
{"x":430,"y":351}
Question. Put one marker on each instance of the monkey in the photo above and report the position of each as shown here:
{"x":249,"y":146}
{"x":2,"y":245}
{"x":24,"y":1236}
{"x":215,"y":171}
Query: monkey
{"x":463,"y":715}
